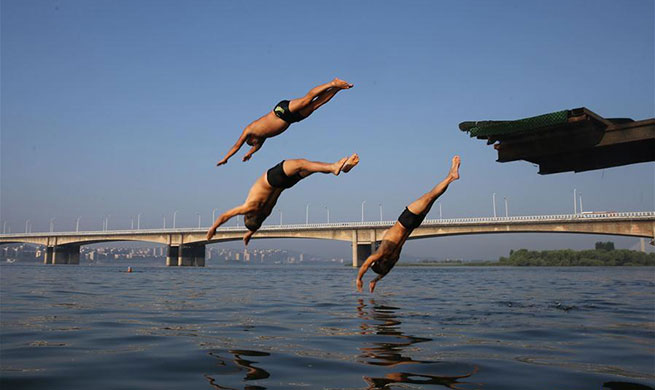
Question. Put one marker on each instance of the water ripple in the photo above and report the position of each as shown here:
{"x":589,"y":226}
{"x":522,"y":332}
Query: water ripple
{"x":269,"y":328}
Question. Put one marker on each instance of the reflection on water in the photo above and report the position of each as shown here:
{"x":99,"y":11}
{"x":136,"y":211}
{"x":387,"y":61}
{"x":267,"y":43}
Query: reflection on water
{"x":382,"y":321}
{"x":215,"y":385}
{"x":252,"y":372}
{"x":450,"y":382}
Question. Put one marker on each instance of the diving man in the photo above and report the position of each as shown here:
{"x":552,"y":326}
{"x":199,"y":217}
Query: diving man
{"x":263,"y":195}
{"x":383,"y":260}
{"x":285,"y":113}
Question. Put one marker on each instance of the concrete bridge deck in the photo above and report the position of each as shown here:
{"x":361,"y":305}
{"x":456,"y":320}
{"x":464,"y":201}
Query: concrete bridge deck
{"x":186,"y":246}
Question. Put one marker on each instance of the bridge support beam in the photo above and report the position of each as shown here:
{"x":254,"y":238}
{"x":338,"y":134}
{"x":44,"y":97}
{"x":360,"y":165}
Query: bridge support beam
{"x":172,"y":255}
{"x":360,"y":253}
{"x":62,"y":254}
{"x":363,"y":244}
{"x":191,"y":255}
{"x":185,"y":255}
{"x":47,"y":254}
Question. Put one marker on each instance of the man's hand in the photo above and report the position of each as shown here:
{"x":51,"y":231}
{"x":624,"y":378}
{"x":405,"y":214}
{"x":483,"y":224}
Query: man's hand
{"x":359,"y":284}
{"x":371,"y":284}
{"x":246,"y":237}
{"x":210,"y":233}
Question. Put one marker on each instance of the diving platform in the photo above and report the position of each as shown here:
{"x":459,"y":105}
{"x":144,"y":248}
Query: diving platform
{"x":569,"y":140}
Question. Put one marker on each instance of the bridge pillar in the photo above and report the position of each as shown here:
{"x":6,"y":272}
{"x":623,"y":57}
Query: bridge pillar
{"x":172,"y":255}
{"x":63,"y":254}
{"x":191,"y":255}
{"x":74,"y":255}
{"x":361,"y":251}
{"x":47,"y":254}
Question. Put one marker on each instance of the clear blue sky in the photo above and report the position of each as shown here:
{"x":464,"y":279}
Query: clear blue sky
{"x":124,"y":107}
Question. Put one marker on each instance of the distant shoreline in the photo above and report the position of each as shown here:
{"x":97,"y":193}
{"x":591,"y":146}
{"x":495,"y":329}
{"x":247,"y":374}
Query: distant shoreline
{"x":603,"y":256}
{"x":448,"y":264}
{"x":497,"y":264}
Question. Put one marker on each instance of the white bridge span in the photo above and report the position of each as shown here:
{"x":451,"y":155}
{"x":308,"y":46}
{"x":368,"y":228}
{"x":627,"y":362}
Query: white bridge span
{"x":186,"y":246}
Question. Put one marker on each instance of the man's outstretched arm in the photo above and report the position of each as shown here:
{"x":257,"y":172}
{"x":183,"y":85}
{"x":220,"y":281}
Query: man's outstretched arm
{"x":235,"y":148}
{"x":252,"y":150}
{"x":243,"y":209}
{"x":362,"y":270}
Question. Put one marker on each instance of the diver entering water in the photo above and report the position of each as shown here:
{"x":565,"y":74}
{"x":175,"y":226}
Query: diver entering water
{"x":386,"y":256}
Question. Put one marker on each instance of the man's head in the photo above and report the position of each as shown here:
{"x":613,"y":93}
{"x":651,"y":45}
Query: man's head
{"x":253,"y":221}
{"x":253,"y":140}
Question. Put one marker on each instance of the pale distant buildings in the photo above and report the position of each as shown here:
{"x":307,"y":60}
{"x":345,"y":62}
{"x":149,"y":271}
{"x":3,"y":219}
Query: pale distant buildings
{"x":213,"y":254}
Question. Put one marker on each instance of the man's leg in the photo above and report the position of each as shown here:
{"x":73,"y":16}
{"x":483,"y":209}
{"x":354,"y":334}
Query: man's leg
{"x":320,"y":100}
{"x":300,"y":104}
{"x":422,"y":205}
{"x":306,"y":167}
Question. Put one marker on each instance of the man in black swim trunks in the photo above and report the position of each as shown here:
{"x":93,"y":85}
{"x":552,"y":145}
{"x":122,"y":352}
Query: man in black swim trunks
{"x":263,"y":195}
{"x":285,"y":113}
{"x":393,"y":240}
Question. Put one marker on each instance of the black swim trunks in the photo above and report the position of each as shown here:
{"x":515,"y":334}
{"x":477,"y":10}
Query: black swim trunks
{"x":410,"y":220}
{"x":282,"y":111}
{"x":278,"y":179}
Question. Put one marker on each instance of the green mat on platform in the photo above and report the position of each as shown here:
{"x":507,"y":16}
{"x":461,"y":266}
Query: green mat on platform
{"x":500,"y":128}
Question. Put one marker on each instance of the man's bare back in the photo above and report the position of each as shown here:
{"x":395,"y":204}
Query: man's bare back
{"x":286,"y":112}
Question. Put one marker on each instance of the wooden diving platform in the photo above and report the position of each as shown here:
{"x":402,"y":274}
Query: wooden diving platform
{"x":570,"y":140}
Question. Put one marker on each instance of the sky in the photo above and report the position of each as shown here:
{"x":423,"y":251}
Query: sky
{"x":118,"y":108}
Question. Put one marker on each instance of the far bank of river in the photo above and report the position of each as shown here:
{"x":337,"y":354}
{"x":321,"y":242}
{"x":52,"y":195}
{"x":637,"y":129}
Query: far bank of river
{"x":557,"y":258}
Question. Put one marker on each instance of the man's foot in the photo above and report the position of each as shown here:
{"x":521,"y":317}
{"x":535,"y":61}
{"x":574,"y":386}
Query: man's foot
{"x":337,"y":166}
{"x":454,"y":169}
{"x":346,"y":164}
{"x":338,"y":83}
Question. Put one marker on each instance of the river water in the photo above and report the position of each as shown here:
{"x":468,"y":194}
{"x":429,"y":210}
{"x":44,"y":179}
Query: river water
{"x":293,"y":327}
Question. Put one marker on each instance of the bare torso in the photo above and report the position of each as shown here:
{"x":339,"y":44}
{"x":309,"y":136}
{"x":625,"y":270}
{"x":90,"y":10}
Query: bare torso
{"x":265,"y":127}
{"x":397,"y":234}
{"x":393,"y":241}
{"x":262,"y":197}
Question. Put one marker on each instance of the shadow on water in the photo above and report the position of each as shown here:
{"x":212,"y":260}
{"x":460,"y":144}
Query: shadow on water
{"x":381,"y":320}
{"x":240,"y":364}
{"x":625,"y":386}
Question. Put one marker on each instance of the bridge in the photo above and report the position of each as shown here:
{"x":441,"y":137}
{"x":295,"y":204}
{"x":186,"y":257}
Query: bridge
{"x":186,"y":246}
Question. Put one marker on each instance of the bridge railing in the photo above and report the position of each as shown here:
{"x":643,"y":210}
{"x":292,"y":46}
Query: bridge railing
{"x":452,"y":221}
{"x":365,"y":224}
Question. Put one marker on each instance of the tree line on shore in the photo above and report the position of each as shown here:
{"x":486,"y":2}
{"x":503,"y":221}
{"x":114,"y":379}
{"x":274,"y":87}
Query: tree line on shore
{"x":604,"y":254}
